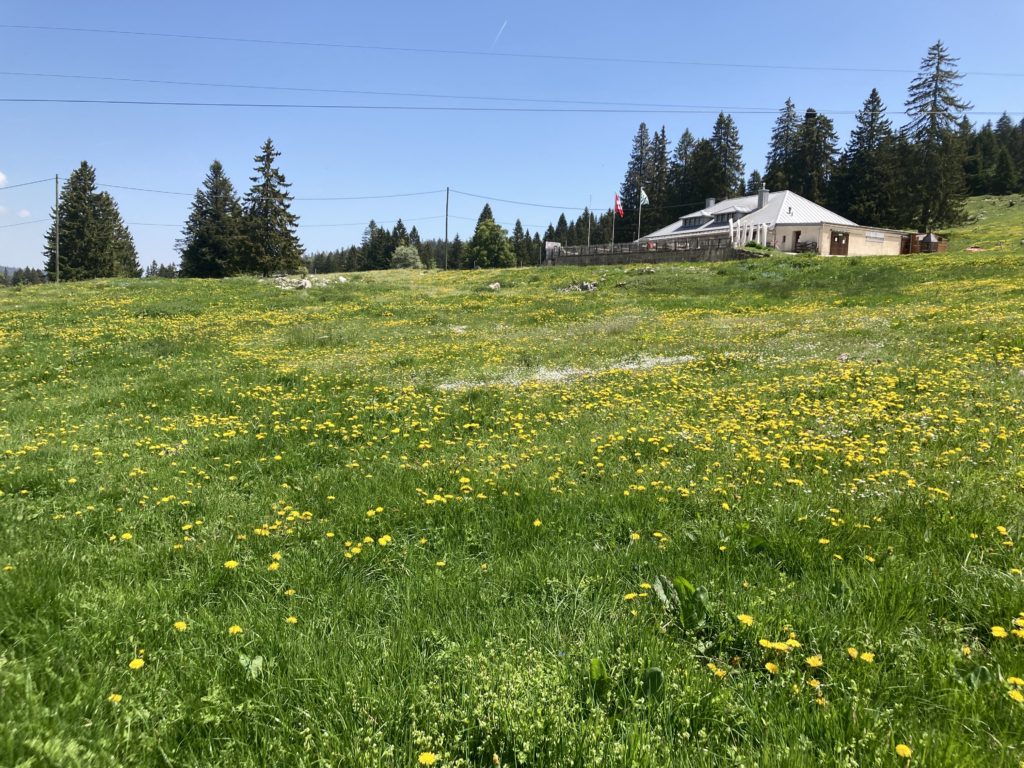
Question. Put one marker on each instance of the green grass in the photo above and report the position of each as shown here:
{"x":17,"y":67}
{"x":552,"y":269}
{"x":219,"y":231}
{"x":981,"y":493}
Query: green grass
{"x":828,"y":446}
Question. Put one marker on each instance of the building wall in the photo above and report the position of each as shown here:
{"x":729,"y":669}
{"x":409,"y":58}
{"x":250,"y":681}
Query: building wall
{"x":785,"y":232}
{"x":864,"y":241}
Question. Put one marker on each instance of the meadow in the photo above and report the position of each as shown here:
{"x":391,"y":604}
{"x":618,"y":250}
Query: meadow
{"x":757,"y":513}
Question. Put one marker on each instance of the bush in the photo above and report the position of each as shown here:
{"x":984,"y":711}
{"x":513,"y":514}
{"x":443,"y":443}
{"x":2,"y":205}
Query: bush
{"x":406,"y":257}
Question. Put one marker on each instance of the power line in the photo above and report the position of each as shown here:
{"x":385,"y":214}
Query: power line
{"x":23,"y":184}
{"x":299,"y":89}
{"x":22,"y":223}
{"x":491,"y":54}
{"x":518,"y":202}
{"x":320,"y":199}
{"x":679,"y":110}
{"x":696,"y":110}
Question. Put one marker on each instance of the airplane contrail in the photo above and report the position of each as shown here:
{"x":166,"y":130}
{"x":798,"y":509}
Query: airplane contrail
{"x":503,"y":25}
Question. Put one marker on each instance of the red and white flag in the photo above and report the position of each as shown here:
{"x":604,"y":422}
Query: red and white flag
{"x":618,"y":207}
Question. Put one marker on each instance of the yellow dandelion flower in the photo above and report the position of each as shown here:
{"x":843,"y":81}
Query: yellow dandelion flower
{"x":868,"y":657}
{"x":1016,"y":695}
{"x":1014,"y":681}
{"x":234,"y":629}
{"x":181,"y":626}
{"x":965,"y":650}
{"x":852,"y":652}
{"x":292,"y":620}
{"x":230,"y":564}
{"x":999,"y":632}
{"x":384,"y":540}
{"x":634,"y":536}
{"x":136,"y":664}
{"x":814,"y":661}
{"x":903,"y":750}
{"x":427,"y":758}
{"x":814,"y":683}
{"x":745,"y":618}
{"x":772,"y":667}
{"x":115,"y":698}
{"x":629,"y":596}
{"x":440,"y":563}
{"x":537,"y":523}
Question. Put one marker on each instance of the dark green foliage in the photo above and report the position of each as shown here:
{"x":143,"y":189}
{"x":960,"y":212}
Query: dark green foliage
{"x":728,"y":154}
{"x":490,"y":246}
{"x":520,"y":245}
{"x":213,"y":243}
{"x":938,"y":188}
{"x":273,"y":245}
{"x":485,"y":214}
{"x":754,"y":183}
{"x":636,"y":176}
{"x":782,"y":149}
{"x":161,"y":270}
{"x":866,"y":183}
{"x":813,"y":157}
{"x":94,"y":241}
{"x":22,"y":276}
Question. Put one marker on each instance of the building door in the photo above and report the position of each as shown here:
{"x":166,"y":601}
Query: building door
{"x":840,"y":244}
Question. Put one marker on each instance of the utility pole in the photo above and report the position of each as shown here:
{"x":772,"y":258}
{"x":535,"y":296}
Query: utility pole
{"x":56,"y":219}
{"x":590,"y":215}
{"x":447,"y":191}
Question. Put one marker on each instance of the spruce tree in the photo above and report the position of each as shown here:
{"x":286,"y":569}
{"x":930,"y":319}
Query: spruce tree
{"x":212,"y":243}
{"x":754,"y":182}
{"x":490,"y":246}
{"x":520,"y":244}
{"x":399,"y":234}
{"x":681,"y":194}
{"x":725,"y":141}
{"x":273,"y":245}
{"x":636,"y":176}
{"x":865,"y":186}
{"x":935,"y":111}
{"x":485,"y":214}
{"x":456,"y":254}
{"x":94,"y":241}
{"x":814,"y":157}
{"x":1004,"y":177}
{"x":781,"y":148}
{"x":658,"y":187}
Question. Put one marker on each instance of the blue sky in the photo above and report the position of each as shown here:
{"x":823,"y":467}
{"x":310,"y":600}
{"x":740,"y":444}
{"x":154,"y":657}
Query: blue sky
{"x":564,"y":159}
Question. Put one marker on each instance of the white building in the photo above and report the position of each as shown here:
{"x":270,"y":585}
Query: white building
{"x":785,"y":221}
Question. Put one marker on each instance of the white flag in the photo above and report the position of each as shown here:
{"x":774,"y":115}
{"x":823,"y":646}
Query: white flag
{"x":644,"y":200}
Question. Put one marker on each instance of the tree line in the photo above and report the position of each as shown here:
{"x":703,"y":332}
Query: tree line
{"x":224,"y":234}
{"x":912,"y":177}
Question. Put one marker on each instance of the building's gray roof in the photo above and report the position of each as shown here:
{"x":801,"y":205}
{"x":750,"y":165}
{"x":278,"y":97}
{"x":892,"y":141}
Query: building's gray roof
{"x":783,"y":207}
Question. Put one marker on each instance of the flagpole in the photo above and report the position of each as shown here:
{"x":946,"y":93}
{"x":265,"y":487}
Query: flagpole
{"x":614,"y":214}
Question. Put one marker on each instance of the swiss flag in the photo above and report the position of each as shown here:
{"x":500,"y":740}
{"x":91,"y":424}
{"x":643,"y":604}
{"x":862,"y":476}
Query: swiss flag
{"x":618,"y":207}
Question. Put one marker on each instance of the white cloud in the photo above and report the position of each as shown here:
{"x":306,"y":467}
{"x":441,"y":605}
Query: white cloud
{"x":24,"y":213}
{"x":3,"y":178}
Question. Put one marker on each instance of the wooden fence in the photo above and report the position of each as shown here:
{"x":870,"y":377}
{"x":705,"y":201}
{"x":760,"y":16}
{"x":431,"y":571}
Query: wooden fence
{"x":653,"y":252}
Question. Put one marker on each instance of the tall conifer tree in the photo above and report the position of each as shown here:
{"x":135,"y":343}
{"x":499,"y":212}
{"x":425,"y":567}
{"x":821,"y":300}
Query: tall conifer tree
{"x":212,"y":243}
{"x":94,"y":241}
{"x":273,"y":245}
{"x":935,"y":112}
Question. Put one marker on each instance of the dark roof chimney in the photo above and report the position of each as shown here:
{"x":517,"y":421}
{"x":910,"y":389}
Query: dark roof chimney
{"x":709,"y":202}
